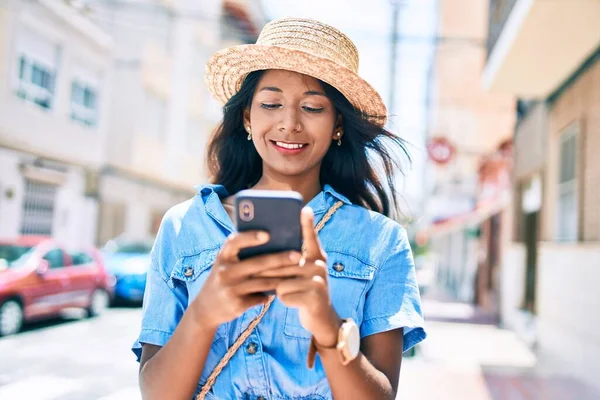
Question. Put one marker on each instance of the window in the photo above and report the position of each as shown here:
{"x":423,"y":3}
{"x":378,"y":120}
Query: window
{"x":81,"y":258}
{"x":36,"y":69}
{"x":84,"y":103}
{"x":36,"y":82}
{"x":55,"y":258}
{"x":38,"y":208}
{"x":567,"y":229}
{"x":13,"y":255}
{"x":155,"y":116}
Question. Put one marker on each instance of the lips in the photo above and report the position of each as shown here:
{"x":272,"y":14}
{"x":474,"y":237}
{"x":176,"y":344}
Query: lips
{"x":289,"y":147}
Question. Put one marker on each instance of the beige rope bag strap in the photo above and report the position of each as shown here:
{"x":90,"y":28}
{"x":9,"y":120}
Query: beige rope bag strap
{"x":242,"y":338}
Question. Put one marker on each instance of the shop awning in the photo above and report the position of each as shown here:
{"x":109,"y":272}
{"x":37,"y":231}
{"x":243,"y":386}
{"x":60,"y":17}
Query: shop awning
{"x":480,"y":213}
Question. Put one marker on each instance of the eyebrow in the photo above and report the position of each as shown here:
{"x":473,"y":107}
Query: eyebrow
{"x":308,"y":93}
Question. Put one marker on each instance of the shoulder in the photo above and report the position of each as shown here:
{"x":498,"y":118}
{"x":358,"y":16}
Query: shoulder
{"x":367,"y":234}
{"x":180,"y":218}
{"x":188,"y":214}
{"x":185,"y":228}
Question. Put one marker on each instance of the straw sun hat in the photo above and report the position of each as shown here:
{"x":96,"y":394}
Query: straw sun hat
{"x":301,"y":45}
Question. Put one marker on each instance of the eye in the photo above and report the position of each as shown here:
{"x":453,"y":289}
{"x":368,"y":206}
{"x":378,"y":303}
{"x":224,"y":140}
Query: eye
{"x":313,"y":110}
{"x":269,"y":106}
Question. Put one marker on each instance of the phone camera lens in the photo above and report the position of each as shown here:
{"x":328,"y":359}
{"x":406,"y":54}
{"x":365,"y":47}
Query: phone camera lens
{"x":246,"y":211}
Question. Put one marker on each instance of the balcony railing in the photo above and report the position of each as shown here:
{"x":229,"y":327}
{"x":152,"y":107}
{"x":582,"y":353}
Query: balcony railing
{"x":499,"y":12}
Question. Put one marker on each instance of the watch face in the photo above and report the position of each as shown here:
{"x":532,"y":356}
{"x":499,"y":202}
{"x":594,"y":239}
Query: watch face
{"x":353,"y":340}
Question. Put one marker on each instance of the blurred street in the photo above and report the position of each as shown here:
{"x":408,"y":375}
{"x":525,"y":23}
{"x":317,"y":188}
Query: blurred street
{"x":466,"y":357}
{"x":72,"y":359}
{"x":105,"y":115}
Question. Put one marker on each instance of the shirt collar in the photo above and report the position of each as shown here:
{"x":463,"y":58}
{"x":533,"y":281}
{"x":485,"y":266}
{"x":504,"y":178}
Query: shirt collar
{"x":326,"y":199}
{"x":331,"y":191}
{"x":319,"y":203}
{"x":211,"y":196}
{"x":207,"y":189}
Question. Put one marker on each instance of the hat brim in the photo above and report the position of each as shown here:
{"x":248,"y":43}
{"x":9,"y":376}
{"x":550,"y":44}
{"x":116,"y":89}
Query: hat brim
{"x":227,"y":69}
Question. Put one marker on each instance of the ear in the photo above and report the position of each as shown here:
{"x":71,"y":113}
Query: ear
{"x":338,"y":127}
{"x":246,"y":117}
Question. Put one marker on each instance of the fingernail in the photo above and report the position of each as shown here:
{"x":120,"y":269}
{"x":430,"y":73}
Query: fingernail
{"x":262,"y":236}
{"x":308,"y":211}
{"x":294,"y":257}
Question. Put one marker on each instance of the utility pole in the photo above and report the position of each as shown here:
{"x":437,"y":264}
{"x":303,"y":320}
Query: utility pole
{"x":394,"y":33}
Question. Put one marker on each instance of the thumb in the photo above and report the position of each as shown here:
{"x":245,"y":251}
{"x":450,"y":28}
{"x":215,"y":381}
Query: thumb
{"x":309,"y":235}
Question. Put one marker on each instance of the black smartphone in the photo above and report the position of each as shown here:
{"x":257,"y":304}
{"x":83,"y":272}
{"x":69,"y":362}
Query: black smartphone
{"x":276,"y":212}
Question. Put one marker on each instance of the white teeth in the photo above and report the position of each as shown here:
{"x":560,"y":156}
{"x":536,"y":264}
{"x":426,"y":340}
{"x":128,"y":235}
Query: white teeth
{"x":289,"y":145}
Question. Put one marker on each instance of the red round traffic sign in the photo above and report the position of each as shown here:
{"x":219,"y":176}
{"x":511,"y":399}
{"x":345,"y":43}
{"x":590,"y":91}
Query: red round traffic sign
{"x":440,"y":150}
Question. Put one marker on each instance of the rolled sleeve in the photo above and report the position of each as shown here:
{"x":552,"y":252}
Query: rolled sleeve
{"x":164,"y":303}
{"x":393,"y":301}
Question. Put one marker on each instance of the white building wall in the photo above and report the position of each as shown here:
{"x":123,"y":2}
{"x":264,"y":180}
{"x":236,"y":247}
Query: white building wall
{"x":140,"y":201}
{"x":512,"y":290}
{"x":75,"y":218}
{"x":11,"y":193}
{"x":568,"y":302}
{"x":41,"y":32}
{"x":51,"y":31}
{"x":512,"y":294}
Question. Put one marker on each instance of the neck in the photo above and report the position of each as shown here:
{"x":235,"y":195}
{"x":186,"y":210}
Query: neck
{"x":307,"y":186}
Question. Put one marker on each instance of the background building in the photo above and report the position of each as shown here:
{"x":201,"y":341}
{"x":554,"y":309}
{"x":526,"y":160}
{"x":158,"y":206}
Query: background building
{"x":104,"y":114}
{"x":158,"y":131}
{"x":547,"y":53}
{"x":56,"y":71}
{"x":468,"y":126}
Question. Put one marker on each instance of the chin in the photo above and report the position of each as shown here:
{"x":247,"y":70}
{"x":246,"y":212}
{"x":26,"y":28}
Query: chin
{"x":291,"y":171}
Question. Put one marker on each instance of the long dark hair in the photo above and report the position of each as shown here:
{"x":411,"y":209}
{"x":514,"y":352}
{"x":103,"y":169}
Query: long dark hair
{"x":350,"y":169}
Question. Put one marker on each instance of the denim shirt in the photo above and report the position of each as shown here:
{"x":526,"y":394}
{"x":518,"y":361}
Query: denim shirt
{"x":371,"y":279}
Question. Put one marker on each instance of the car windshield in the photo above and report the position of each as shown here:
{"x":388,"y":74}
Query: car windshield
{"x":130,"y":247}
{"x":14,"y":255}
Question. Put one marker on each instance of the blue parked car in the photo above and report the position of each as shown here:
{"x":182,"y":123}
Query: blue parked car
{"x":128,"y":260}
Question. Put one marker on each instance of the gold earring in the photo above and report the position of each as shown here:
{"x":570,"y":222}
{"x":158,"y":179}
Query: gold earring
{"x":249,"y":133}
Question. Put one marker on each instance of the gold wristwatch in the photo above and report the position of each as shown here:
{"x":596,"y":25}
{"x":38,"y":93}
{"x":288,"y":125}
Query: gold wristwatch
{"x":348,"y":344}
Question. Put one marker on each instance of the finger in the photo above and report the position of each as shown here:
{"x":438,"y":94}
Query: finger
{"x":300,"y":285}
{"x":255,"y":265}
{"x":310,"y":268}
{"x":294,"y":300}
{"x":256,"y":285}
{"x":237,"y":241}
{"x":255,"y":299}
{"x":283,"y":272}
{"x":305,"y":293}
{"x":309,"y":235}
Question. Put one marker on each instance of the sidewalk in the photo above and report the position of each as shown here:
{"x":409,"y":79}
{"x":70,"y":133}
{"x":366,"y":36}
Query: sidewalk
{"x":467,"y":357}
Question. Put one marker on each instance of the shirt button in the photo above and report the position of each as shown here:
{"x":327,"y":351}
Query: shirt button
{"x":251,"y":349}
{"x":339,"y":267}
{"x":260,"y":398}
{"x":189,"y":271}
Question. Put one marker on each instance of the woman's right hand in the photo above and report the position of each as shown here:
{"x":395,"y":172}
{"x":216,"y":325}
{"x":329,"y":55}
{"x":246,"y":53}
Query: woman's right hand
{"x":230,"y":288}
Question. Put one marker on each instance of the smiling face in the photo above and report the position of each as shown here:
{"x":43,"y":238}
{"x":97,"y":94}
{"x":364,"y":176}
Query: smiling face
{"x":293,"y":123}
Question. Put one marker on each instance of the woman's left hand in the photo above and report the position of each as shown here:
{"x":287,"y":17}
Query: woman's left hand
{"x":307,"y":288}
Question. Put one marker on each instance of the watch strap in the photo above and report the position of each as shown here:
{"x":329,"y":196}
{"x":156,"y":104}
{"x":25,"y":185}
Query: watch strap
{"x":313,"y":349}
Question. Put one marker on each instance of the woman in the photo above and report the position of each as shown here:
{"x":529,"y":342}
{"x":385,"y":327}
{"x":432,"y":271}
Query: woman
{"x":285,"y":128}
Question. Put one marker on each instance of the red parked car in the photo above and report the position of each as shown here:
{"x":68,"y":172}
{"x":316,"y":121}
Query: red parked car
{"x":39,"y":279}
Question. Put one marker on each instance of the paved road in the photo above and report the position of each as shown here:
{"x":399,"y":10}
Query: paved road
{"x":72,"y":359}
{"x":465,"y":357}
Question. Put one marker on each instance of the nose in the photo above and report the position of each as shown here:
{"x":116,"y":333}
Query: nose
{"x":289,"y":122}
